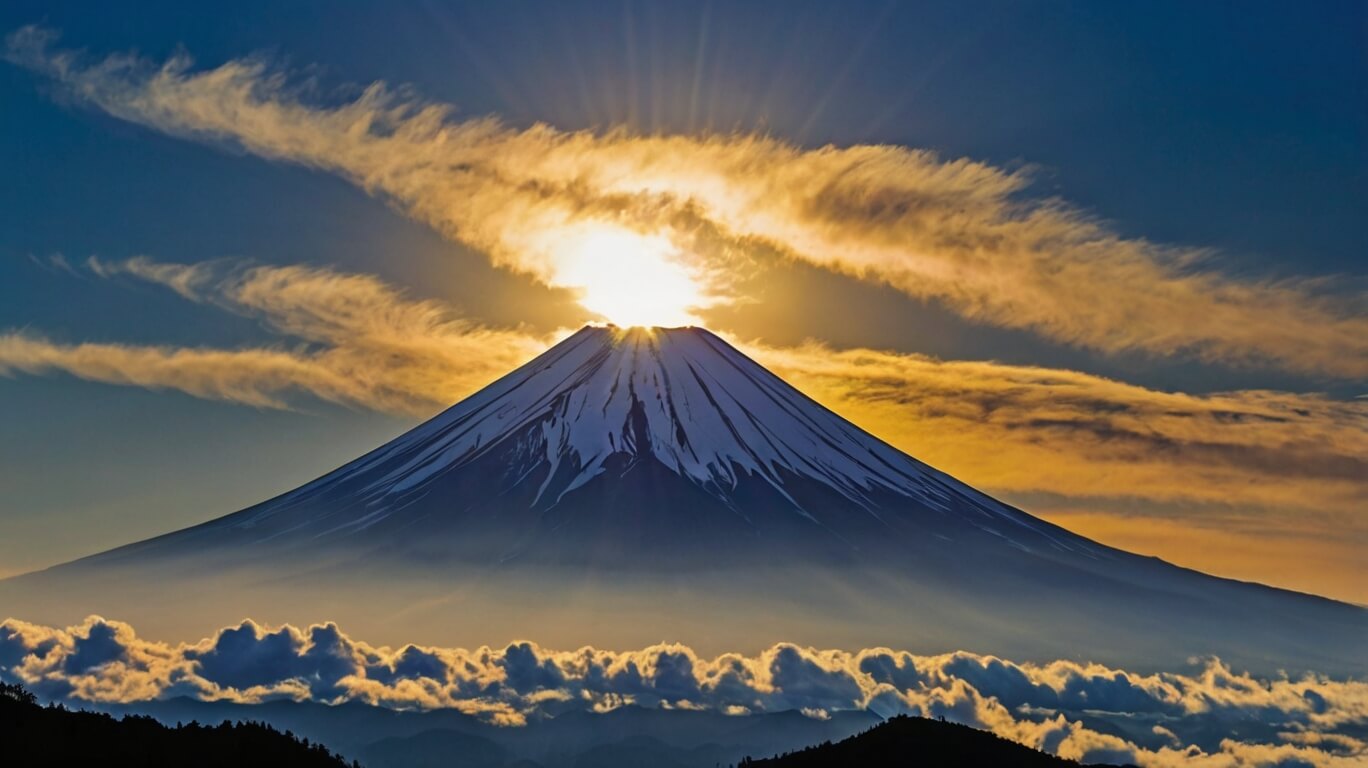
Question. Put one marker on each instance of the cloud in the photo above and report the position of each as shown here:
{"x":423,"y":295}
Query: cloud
{"x":1026,"y":428}
{"x":960,"y":232}
{"x":254,"y":376}
{"x":357,"y":341}
{"x":1081,"y":711}
{"x":100,"y":645}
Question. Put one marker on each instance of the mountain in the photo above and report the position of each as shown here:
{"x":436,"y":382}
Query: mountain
{"x":632,"y":485}
{"x":619,"y":448}
{"x":912,"y":741}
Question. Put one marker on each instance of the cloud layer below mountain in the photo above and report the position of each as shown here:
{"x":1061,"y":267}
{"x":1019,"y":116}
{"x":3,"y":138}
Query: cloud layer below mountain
{"x":1076,"y":710}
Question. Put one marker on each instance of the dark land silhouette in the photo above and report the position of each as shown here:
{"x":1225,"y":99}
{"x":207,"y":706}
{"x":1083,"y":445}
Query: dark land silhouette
{"x":626,"y":737}
{"x":34,"y":735}
{"x":630,"y":737}
{"x":905,"y":741}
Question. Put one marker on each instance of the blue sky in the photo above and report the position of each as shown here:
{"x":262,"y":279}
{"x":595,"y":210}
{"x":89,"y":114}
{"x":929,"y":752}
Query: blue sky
{"x":1241,"y":128}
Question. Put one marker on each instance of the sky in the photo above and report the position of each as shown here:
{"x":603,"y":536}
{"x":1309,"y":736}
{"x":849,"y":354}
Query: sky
{"x":1105,"y":261}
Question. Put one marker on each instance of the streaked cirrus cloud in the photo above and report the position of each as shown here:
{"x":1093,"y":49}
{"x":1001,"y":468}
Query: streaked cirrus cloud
{"x":368,"y":345}
{"x":1073,"y":709}
{"x":960,"y":232}
{"x":1041,"y":429}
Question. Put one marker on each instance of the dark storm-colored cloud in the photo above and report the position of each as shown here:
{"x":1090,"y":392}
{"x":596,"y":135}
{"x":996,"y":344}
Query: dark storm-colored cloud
{"x":100,"y":645}
{"x":245,"y":657}
{"x":525,"y":672}
{"x":411,"y":663}
{"x":896,"y":669}
{"x":802,"y":682}
{"x":1183,"y":717}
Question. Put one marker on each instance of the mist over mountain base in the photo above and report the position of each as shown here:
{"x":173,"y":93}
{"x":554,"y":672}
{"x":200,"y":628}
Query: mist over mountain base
{"x":744,"y":607}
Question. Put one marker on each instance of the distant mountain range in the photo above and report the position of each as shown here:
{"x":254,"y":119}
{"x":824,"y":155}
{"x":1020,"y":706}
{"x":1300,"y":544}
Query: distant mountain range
{"x":633,"y":485}
{"x":627,"y":737}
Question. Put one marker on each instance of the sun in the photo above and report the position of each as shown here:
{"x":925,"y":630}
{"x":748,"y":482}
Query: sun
{"x":628,"y":278}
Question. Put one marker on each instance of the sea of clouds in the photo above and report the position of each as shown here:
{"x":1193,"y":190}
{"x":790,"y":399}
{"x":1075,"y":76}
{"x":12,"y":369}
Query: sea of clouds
{"x":1206,"y":715}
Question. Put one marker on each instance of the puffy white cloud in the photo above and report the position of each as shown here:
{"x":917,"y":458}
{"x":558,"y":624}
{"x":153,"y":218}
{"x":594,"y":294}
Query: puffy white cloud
{"x":1081,"y":711}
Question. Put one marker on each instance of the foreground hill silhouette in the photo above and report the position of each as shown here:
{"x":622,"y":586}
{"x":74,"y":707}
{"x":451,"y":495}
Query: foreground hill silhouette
{"x":913,"y":741}
{"x":34,"y":735}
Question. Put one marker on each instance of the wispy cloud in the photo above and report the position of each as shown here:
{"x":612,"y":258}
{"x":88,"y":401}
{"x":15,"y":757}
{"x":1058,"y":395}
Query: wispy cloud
{"x":1254,"y":474}
{"x":1027,"y":428}
{"x":346,"y":338}
{"x":1072,"y":709}
{"x":252,"y":376}
{"x":960,"y":232}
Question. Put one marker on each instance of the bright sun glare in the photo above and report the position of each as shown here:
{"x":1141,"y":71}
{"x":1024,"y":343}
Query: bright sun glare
{"x":628,"y":278}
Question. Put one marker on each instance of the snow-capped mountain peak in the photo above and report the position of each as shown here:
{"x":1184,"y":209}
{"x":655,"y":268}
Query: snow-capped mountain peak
{"x":616,"y":432}
{"x":681,"y":396}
